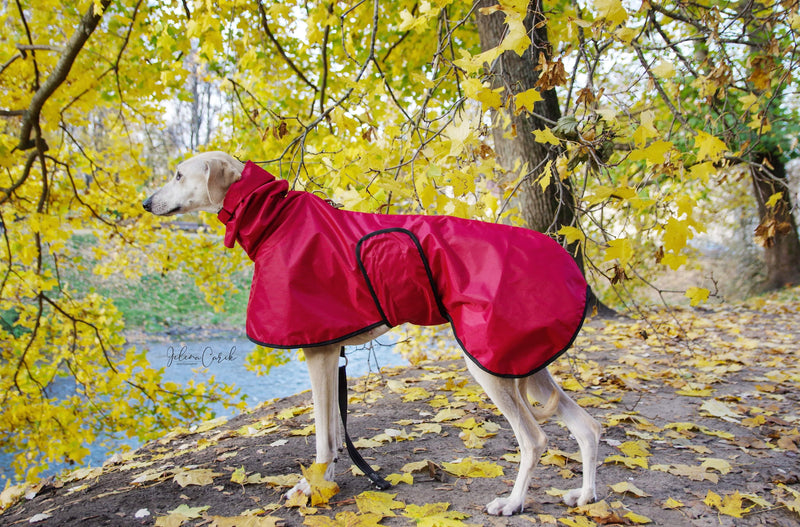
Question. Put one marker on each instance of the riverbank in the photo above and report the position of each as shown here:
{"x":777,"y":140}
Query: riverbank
{"x":699,"y":409}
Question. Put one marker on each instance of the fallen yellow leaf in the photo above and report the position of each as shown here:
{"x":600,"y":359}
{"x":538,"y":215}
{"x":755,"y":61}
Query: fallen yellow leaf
{"x":322,"y":490}
{"x":469,"y":468}
{"x":628,"y":487}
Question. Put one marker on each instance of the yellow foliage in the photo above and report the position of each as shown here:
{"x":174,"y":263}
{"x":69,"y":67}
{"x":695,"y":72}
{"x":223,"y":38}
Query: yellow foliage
{"x":380,"y":117}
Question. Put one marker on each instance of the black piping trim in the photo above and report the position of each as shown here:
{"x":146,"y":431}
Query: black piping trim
{"x":444,"y":312}
{"x":422,"y":257}
{"x":318,"y":344}
{"x":546,"y":363}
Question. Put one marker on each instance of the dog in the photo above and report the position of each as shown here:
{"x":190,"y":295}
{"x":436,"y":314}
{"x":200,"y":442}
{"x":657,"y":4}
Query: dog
{"x":377,"y":271}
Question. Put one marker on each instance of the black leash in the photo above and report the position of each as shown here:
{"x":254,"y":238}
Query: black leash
{"x":376,"y":479}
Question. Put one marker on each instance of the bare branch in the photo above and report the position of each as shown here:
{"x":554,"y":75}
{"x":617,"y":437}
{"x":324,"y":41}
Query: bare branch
{"x":675,"y":112}
{"x":30,"y":41}
{"x":39,"y":47}
{"x":82,"y":33}
{"x":281,"y":51}
{"x":18,"y":183}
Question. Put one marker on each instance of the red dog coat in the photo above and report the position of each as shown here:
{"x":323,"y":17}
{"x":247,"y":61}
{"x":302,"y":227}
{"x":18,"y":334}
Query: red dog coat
{"x":514,"y":297}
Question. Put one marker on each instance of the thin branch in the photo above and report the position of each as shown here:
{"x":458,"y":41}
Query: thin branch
{"x":286,"y":58}
{"x":324,"y":80}
{"x":39,"y":47}
{"x":82,"y":33}
{"x":678,"y":115}
{"x":26,"y":171}
{"x":30,"y":41}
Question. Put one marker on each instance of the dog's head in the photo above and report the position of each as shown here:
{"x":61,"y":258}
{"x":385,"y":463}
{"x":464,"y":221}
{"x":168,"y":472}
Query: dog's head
{"x":200,"y":183}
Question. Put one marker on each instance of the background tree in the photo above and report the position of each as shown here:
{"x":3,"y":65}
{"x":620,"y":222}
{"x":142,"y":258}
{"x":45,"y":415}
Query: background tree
{"x":643,"y":123}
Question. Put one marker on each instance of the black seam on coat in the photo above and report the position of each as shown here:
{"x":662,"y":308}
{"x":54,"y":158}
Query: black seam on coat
{"x":319,"y":344}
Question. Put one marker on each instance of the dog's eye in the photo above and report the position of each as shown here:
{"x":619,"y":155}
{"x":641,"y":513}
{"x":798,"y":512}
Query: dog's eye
{"x":178,"y":176}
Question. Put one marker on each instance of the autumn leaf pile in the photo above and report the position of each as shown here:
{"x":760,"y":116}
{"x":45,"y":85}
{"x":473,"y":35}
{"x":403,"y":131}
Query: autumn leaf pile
{"x":699,"y":409}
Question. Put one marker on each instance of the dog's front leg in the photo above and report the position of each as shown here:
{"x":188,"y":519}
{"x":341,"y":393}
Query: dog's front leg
{"x":322,"y":368}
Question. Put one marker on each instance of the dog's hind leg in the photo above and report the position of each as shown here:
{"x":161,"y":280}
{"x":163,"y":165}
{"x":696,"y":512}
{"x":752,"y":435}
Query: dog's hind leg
{"x":506,"y":395}
{"x":586,"y":430}
{"x":322,"y":364}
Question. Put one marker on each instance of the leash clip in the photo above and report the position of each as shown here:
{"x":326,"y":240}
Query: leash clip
{"x":322,"y":195}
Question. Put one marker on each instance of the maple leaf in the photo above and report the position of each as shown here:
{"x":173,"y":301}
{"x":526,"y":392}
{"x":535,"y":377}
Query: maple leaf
{"x":637,"y":518}
{"x":344,"y":519}
{"x":469,"y":468}
{"x":406,"y":478}
{"x":525,"y":100}
{"x":694,"y":473}
{"x":664,"y":69}
{"x":696,"y":296}
{"x":238,"y":476}
{"x":646,"y":129}
{"x":621,"y":249}
{"x":322,"y":490}
{"x":793,"y":503}
{"x":449,"y":414}
{"x":719,"y":409}
{"x":380,"y":503}
{"x":773,"y":199}
{"x":720,"y":465}
{"x":245,"y":521}
{"x":489,"y":98}
{"x":288,"y":480}
{"x":634,"y":449}
{"x":730,"y":504}
{"x":624,"y":487}
{"x":201,"y":477}
{"x":655,"y":153}
{"x":358,"y":472}
{"x":612,"y":11}
{"x":297,"y":499}
{"x":695,"y":390}
{"x":435,"y":515}
{"x":546,"y":136}
{"x":415,"y":466}
{"x":428,"y":428}
{"x":305,"y":431}
{"x":416,"y":393}
{"x":708,"y":146}
{"x":630,"y":462}
{"x":572,"y":234}
{"x":471,"y":439}
{"x":578,"y":521}
{"x":368,"y":443}
{"x":179,"y":515}
{"x":673,"y":504}
{"x":552,"y":457}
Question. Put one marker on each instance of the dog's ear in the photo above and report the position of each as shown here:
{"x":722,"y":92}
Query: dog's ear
{"x":220,"y":176}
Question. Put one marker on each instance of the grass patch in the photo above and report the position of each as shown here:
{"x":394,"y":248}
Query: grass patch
{"x":154,"y":302}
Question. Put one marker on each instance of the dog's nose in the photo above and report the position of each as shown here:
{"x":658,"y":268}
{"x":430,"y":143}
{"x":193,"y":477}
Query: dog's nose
{"x":148,"y":204}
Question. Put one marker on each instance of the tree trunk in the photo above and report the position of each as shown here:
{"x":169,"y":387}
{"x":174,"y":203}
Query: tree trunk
{"x":544,"y":211}
{"x":777,"y":231}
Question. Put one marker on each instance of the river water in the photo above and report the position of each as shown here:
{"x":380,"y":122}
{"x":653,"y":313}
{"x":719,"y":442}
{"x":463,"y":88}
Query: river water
{"x":225,"y":358}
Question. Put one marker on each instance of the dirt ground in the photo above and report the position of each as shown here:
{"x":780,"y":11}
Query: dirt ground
{"x":700,"y":417}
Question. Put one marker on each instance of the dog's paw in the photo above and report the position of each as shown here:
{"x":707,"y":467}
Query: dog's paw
{"x":504,"y":507}
{"x":579,"y":497}
{"x":302,"y":487}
